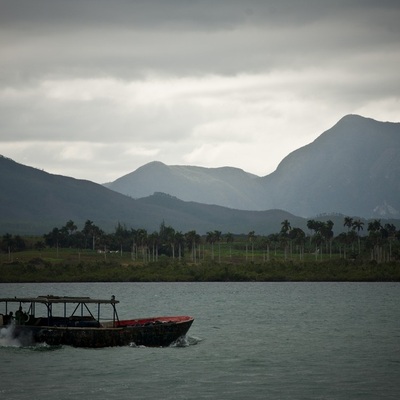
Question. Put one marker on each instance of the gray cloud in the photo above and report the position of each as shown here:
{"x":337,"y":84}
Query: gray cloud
{"x":117,"y":84}
{"x":130,"y":38}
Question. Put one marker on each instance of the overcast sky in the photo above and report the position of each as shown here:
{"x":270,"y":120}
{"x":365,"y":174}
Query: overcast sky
{"x":94,"y":89}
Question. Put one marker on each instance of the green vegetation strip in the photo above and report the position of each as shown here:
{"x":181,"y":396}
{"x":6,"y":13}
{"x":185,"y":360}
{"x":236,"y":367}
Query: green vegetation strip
{"x":69,"y":255}
{"x":167,"y":270}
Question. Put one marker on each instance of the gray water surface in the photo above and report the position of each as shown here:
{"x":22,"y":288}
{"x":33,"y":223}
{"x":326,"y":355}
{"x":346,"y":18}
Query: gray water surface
{"x":248,"y":341}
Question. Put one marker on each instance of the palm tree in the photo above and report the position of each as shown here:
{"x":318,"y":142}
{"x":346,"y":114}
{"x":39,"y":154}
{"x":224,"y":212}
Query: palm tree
{"x":87,"y":231}
{"x":273,"y":238}
{"x":285,"y":226}
{"x":132,"y":237}
{"x":191,"y":241}
{"x":71,"y":227}
{"x":298,"y":236}
{"x":374,"y":228}
{"x":390,"y":234}
{"x":284,"y":241}
{"x":180,"y":241}
{"x":217,"y":236}
{"x":342,"y":240}
{"x":167,"y":240}
{"x":265,"y":245}
{"x":229,"y":239}
{"x":318,"y":240}
{"x":250,"y":237}
{"x":348,"y":221}
{"x":318,"y":227}
{"x":198,"y":244}
{"x":358,"y":225}
{"x":210,"y":238}
{"x":170,"y":237}
{"x":154,"y":240}
{"x":93,"y":231}
{"x":51,"y":239}
{"x":141,"y":239}
{"x":327,"y":233}
{"x":312,"y":225}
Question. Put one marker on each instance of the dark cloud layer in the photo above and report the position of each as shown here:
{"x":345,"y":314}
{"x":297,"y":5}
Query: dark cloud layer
{"x":200,"y":82}
{"x":130,"y":38}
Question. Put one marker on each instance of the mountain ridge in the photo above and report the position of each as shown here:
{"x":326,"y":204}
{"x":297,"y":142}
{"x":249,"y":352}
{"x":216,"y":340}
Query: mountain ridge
{"x":339,"y":168}
{"x":205,"y":185}
{"x":333,"y":176}
{"x":34,"y":202}
{"x":357,"y":152}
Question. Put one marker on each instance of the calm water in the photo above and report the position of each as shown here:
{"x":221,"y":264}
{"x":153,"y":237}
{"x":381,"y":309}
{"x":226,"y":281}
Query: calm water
{"x":248,"y":341}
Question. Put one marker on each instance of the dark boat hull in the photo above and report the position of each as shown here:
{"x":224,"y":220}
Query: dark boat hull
{"x":152,"y":333}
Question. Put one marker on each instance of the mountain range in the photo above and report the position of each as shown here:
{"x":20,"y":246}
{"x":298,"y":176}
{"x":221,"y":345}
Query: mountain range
{"x":352,"y":169}
{"x":34,"y":202}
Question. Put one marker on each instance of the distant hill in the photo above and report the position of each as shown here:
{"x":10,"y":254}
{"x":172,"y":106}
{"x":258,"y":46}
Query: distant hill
{"x":352,"y":169}
{"x":226,"y":186}
{"x":33,"y":202}
{"x":184,"y":216}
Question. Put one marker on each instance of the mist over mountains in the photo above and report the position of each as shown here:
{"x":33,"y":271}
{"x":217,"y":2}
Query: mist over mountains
{"x":352,"y":169}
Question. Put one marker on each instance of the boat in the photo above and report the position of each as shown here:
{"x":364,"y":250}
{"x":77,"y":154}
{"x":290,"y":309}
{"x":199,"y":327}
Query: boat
{"x":80,"y":322}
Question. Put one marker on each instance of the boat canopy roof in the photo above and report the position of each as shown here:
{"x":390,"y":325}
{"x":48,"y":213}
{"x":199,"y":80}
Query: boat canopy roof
{"x":58,"y":299}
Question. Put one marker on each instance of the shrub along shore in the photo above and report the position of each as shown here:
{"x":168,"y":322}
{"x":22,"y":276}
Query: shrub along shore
{"x":115,"y":268}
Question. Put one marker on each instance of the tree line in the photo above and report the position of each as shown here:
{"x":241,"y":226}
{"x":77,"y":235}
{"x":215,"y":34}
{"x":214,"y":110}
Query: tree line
{"x":381,"y":241}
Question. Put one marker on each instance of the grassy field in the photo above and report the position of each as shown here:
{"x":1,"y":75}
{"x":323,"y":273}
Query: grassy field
{"x":225,"y":263}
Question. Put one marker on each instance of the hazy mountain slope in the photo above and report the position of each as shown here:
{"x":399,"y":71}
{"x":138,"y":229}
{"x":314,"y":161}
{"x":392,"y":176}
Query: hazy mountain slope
{"x":352,"y":168}
{"x":227,"y":186}
{"x":34,"y":201}
{"x":211,"y":217}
